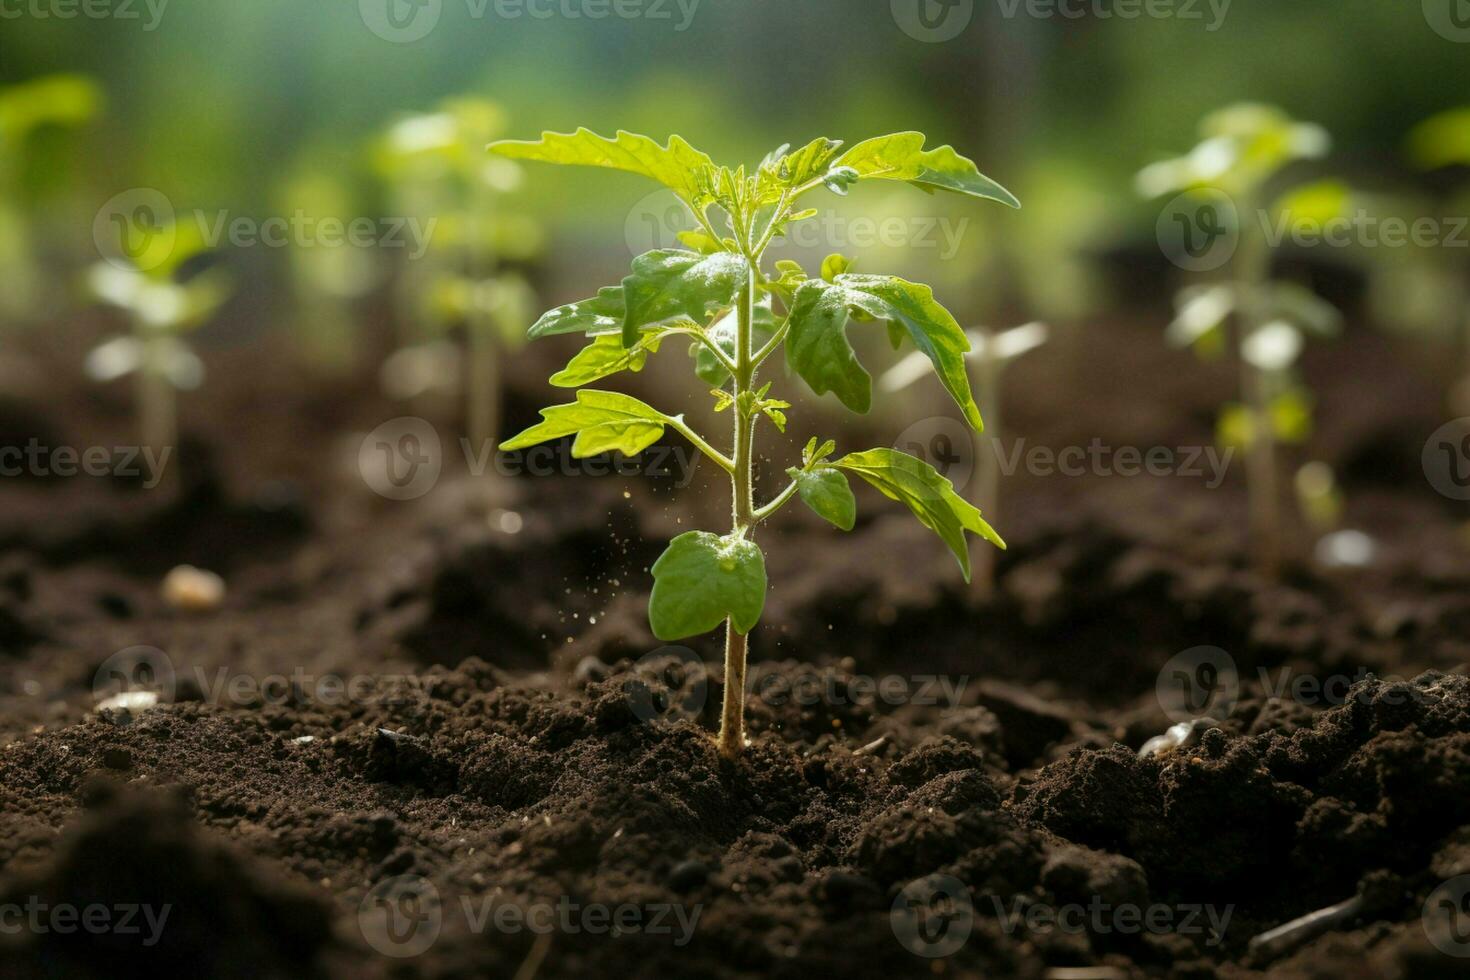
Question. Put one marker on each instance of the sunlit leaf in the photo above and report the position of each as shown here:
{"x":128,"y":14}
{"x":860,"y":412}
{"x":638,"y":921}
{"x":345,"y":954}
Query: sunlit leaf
{"x":677,"y":166}
{"x":926,"y":493}
{"x":901,"y":156}
{"x":603,"y":421}
{"x":826,"y":491}
{"x":703,"y":580}
{"x":605,"y":356}
{"x":668,"y":284}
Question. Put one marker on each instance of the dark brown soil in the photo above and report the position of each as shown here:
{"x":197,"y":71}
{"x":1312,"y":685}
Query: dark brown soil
{"x":513,"y":736}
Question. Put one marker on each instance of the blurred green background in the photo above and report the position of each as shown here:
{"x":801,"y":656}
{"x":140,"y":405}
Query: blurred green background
{"x":220,"y":103}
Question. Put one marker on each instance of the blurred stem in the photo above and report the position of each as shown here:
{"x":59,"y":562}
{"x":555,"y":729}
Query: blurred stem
{"x":157,"y":403}
{"x":1253,"y":264}
{"x":484,"y":382}
{"x":732,"y":713}
{"x":987,"y":465}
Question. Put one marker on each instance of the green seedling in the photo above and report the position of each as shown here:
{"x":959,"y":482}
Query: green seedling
{"x":1439,"y":143}
{"x":143,"y":280}
{"x":1244,"y":147}
{"x":25,"y":109}
{"x":990,"y":353}
{"x":441,"y":174}
{"x":736,"y":315}
{"x":326,"y":277}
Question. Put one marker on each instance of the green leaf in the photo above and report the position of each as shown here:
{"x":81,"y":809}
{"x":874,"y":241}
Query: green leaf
{"x":817,"y":347}
{"x":723,"y":333}
{"x":826,"y":491}
{"x":703,"y":580}
{"x":603,"y":421}
{"x":901,"y":156}
{"x":678,"y":166}
{"x":835,"y":265}
{"x":671,"y":283}
{"x":931,"y":497}
{"x":604,"y":356}
{"x":602,"y":314}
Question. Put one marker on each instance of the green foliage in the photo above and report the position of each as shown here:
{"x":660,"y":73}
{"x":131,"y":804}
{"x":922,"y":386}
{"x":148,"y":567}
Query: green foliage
{"x":704,"y":579}
{"x":716,"y":293}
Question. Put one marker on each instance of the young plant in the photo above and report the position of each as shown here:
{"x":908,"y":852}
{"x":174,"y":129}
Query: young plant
{"x":54,"y":100}
{"x":991,"y":353}
{"x":737,"y":315}
{"x":440,"y":174}
{"x":142,"y":279}
{"x":1244,"y":147}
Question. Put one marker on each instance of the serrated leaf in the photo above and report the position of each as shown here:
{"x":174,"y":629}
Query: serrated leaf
{"x":901,"y":156}
{"x":724,"y":331}
{"x":603,"y":421}
{"x":671,"y":283}
{"x":701,"y":580}
{"x":605,"y":356}
{"x":926,"y":493}
{"x":827,"y":493}
{"x":817,"y":347}
{"x":678,"y":166}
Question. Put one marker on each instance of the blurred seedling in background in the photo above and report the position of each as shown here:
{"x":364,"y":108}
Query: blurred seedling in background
{"x":716,"y":294}
{"x":144,"y":279}
{"x":439,"y":173}
{"x":327,"y":277}
{"x":1441,"y":146}
{"x":990,"y":353}
{"x":1244,"y":147}
{"x":25,"y":110}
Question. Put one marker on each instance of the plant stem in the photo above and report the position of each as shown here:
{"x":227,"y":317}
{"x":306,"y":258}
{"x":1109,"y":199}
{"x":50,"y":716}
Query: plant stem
{"x":157,"y":416}
{"x":1265,"y":520}
{"x":484,"y":382}
{"x":732,"y":714}
{"x":987,"y":464}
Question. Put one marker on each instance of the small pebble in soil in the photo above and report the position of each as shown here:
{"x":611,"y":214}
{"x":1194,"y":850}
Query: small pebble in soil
{"x":194,"y":590}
